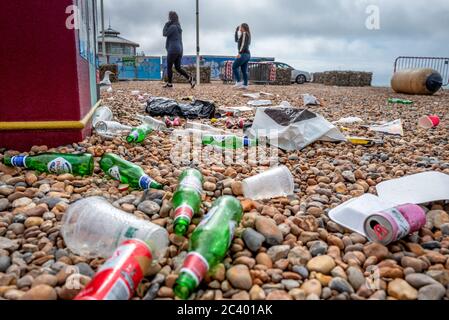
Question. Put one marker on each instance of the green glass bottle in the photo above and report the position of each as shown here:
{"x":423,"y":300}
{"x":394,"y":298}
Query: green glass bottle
{"x":139,"y":134}
{"x":55,"y":163}
{"x":228,"y":141}
{"x":209,"y":244}
{"x":187,"y":199}
{"x":399,"y":101}
{"x":127,"y":172}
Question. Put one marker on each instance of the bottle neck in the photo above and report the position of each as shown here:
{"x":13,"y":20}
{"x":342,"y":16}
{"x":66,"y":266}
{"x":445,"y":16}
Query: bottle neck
{"x":18,"y":161}
{"x":145,"y":182}
{"x":185,"y":285}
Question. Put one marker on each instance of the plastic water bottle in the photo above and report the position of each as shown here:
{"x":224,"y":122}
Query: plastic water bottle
{"x":92,"y":227}
{"x":204,"y":127}
{"x":155,"y":124}
{"x":111,"y":127}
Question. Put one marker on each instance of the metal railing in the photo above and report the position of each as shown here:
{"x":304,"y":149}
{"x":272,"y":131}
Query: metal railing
{"x":261,"y":72}
{"x":437,"y":63}
{"x":258,"y":72}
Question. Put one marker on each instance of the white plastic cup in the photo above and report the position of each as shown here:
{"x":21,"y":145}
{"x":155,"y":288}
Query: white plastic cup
{"x":92,"y":227}
{"x":273,"y":183}
{"x":428,"y":122}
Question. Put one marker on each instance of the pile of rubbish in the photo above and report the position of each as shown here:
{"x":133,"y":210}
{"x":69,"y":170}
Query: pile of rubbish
{"x":159,"y":107}
{"x":94,"y":228}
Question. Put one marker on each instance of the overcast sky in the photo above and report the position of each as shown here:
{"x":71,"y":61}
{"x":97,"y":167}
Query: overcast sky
{"x":310,"y":35}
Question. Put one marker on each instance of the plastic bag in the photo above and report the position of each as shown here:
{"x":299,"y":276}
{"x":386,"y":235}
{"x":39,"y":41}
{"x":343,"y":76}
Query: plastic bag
{"x":310,"y":100}
{"x":258,"y":103}
{"x":348,"y":120}
{"x":393,"y":128}
{"x":291,"y":128}
{"x":159,"y":107}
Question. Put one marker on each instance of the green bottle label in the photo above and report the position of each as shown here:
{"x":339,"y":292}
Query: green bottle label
{"x":59,"y":166}
{"x":115,"y":173}
{"x":19,"y":161}
{"x":145,"y":182}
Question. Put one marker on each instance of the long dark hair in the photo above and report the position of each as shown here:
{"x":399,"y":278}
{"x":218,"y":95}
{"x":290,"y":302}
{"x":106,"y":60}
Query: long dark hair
{"x":173,"y":17}
{"x":245,"y":26}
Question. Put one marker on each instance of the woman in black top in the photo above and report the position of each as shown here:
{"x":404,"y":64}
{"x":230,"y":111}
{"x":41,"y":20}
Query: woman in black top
{"x":243,"y":38}
{"x":173,"y":32}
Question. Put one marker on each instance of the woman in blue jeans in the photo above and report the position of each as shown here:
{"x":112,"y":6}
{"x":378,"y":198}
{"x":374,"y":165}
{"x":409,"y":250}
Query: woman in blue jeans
{"x":243,"y":38}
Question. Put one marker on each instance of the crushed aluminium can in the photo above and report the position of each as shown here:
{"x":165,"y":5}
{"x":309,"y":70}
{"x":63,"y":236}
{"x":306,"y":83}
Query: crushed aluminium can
{"x":393,"y":224}
{"x":119,"y":277}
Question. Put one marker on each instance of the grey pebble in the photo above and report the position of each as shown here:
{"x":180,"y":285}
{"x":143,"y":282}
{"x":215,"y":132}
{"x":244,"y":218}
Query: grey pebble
{"x":4,"y":204}
{"x":340,"y":285}
{"x":152,"y":292}
{"x":318,"y":248}
{"x":432,"y":292}
{"x":253,"y":239}
{"x":302,"y":271}
{"x":85,"y":269}
{"x":5,"y":262}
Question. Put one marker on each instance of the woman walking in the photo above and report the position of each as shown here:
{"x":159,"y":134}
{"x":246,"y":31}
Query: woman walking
{"x":243,"y":38}
{"x":173,"y":32}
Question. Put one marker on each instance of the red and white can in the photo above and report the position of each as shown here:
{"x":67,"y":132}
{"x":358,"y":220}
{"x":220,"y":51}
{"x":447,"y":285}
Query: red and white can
{"x":118,"y":278}
{"x":393,"y":224}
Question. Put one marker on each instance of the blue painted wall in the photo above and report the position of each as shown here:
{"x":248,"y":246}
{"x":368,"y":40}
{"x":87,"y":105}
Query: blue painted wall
{"x":153,"y":68}
{"x":215,"y":62}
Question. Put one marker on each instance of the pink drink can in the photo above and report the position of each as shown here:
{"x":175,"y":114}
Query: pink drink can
{"x":393,"y":224}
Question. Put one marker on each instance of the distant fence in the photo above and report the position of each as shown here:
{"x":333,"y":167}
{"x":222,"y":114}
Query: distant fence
{"x":155,"y":67}
{"x":258,"y":72}
{"x":439,"y":64}
{"x":214,"y":62}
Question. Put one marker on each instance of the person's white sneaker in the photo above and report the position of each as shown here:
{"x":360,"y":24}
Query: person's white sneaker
{"x":238,"y":85}
{"x":243,"y":87}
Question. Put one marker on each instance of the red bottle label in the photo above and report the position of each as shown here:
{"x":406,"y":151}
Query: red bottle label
{"x":195,"y":265}
{"x":184,"y":211}
{"x":118,"y":278}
